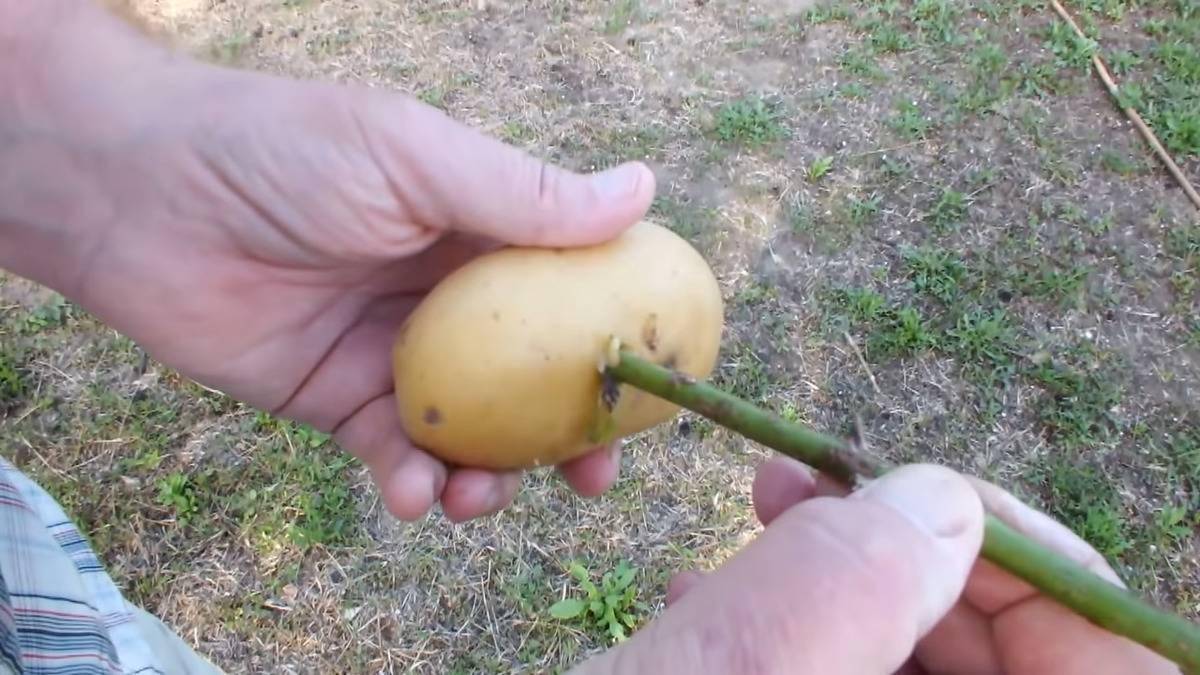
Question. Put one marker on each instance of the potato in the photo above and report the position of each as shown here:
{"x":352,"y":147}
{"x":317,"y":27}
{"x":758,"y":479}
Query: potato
{"x":499,"y":367}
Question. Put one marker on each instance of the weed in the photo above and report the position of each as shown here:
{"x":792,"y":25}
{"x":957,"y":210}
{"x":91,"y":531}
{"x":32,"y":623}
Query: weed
{"x":863,"y":210}
{"x":177,"y":493}
{"x":1118,"y":163}
{"x":936,"y":272}
{"x":819,"y":167}
{"x":936,"y":19}
{"x":53,"y":313}
{"x":909,"y":122}
{"x":749,"y":121}
{"x":827,"y":12}
{"x":11,"y":385}
{"x":744,"y":374}
{"x":624,"y":13}
{"x":1184,"y":241}
{"x":1083,"y":499}
{"x":853,"y":90}
{"x":612,"y":607}
{"x":903,"y":331}
{"x":888,"y":38}
{"x":1049,"y":282}
{"x":983,"y":342}
{"x":862,"y":63}
{"x":949,"y":210}
{"x":1123,"y":61}
{"x":987,"y":59}
{"x":1070,"y":50}
{"x":1076,"y":410}
{"x":1039,"y":79}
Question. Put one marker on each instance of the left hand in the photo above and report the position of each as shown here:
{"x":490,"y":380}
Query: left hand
{"x":267,"y":236}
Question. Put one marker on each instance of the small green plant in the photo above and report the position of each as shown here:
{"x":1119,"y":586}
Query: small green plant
{"x":828,"y":11}
{"x":988,"y":59}
{"x":949,"y":210}
{"x":177,"y":493}
{"x":936,"y":19}
{"x":1070,"y":50}
{"x":819,"y":167}
{"x":11,"y":385}
{"x":751,"y":121}
{"x":1084,"y":499}
{"x":888,"y":38}
{"x":1122,"y":61}
{"x":863,"y":210}
{"x":624,"y":13}
{"x":909,"y":122}
{"x":935,"y":271}
{"x":860,"y":62}
{"x":50,"y":314}
{"x":904,"y":331}
{"x":612,"y":607}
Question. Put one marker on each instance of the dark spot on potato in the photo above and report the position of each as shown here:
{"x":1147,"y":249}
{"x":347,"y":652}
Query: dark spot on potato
{"x":433,"y":416}
{"x":650,"y":332}
{"x":610,"y":392}
{"x":669,"y":361}
{"x":495,"y":316}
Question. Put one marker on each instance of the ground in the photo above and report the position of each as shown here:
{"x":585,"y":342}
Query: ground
{"x":924,"y":214}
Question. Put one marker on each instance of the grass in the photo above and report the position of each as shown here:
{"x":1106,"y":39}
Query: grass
{"x":945,"y":182}
{"x":751,"y":121}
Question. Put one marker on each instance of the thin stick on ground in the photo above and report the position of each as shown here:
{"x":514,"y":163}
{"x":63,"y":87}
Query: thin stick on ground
{"x":1147,"y":133}
{"x":862,"y":361}
{"x":1108,"y":606}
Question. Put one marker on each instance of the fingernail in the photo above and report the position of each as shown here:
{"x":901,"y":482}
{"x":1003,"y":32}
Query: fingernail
{"x":620,"y":181}
{"x":929,"y":497}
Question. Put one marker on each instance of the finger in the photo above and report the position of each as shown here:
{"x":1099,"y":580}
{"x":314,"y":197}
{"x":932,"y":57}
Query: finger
{"x":474,"y":493}
{"x":834,"y":585}
{"x":682,"y":583}
{"x":992,"y":589}
{"x":593,"y":473}
{"x":961,"y":643}
{"x":410,"y":482}
{"x":779,"y":484}
{"x":457,"y":178}
{"x":1021,"y":617}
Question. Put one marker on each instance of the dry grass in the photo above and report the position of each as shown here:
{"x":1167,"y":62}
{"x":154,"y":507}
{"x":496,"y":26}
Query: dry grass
{"x":1078,"y":394}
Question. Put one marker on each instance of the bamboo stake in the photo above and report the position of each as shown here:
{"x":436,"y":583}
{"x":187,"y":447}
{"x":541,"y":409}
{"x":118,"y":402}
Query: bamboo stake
{"x":1132,"y":114}
{"x":1106,"y":605}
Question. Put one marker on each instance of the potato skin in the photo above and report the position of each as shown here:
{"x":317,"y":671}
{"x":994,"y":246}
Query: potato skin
{"x":499,"y":366}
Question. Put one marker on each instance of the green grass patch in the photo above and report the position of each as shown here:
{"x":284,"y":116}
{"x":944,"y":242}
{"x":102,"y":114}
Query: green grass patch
{"x":1076,"y":409}
{"x":1083,"y":498}
{"x":935,"y":272}
{"x":751,"y":121}
{"x":607,"y":606}
{"x":12,"y":386}
{"x":909,"y":121}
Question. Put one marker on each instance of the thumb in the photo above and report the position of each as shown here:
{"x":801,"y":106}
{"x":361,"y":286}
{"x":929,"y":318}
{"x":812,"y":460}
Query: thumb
{"x":832,"y":586}
{"x":457,"y":178}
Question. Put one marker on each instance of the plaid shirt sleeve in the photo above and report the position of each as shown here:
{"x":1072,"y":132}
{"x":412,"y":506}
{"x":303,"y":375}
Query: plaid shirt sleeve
{"x":60,"y":612}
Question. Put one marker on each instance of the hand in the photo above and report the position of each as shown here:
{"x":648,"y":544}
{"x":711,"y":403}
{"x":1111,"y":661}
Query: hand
{"x":885,"y":580}
{"x":267,"y":236}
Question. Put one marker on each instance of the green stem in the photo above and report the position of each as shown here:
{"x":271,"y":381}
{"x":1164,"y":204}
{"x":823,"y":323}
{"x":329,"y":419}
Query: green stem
{"x":1074,"y":586}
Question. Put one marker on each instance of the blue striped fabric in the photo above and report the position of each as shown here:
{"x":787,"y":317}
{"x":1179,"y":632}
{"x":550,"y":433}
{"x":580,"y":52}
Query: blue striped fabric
{"x":59,"y":611}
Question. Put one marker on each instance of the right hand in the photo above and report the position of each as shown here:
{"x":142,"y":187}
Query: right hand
{"x":885,"y":580}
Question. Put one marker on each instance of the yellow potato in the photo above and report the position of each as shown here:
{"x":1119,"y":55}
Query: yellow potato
{"x":500,"y":366}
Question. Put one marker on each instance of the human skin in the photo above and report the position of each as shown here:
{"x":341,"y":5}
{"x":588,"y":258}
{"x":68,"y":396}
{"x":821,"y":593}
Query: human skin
{"x":884,"y":580}
{"x":266,"y":236}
